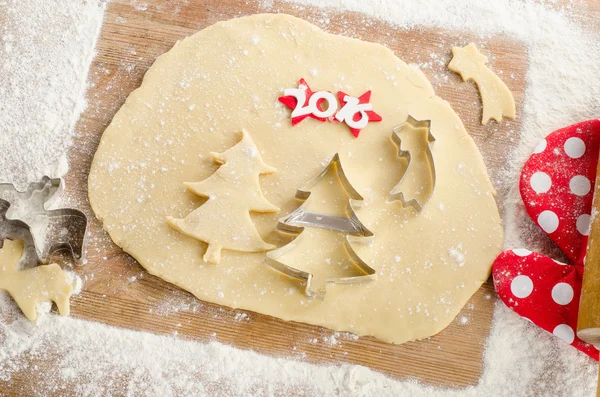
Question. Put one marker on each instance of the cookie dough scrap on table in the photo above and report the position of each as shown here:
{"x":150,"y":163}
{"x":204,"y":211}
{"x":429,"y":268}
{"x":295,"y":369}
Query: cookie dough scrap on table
{"x":30,"y":287}
{"x":228,"y":77}
{"x":496,"y":98}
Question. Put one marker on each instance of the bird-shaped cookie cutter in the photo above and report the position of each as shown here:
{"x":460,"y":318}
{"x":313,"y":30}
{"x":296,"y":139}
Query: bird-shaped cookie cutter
{"x":299,"y":219}
{"x":25,"y":215}
{"x":396,"y":194}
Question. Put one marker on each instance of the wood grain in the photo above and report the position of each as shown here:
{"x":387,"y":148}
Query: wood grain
{"x":117,"y":291}
{"x":588,"y":320}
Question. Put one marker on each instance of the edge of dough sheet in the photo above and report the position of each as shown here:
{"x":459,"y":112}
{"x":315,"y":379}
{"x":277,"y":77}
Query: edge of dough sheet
{"x":418,"y":79}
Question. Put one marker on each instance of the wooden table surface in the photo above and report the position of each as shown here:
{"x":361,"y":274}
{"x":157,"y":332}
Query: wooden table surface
{"x":117,"y":291}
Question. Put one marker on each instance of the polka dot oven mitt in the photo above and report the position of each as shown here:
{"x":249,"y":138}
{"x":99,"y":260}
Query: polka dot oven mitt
{"x":557,"y":184}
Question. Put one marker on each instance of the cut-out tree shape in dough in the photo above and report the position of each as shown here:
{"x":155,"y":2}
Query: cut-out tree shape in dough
{"x":327,"y":226}
{"x":223,"y":221}
{"x":414,"y":140}
{"x":496,"y":98}
{"x":30,"y":287}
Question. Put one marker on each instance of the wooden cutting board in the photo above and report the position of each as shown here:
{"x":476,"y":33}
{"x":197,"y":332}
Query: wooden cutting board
{"x":117,"y":291}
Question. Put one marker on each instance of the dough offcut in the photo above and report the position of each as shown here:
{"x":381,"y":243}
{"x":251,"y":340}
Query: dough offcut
{"x":198,"y":96}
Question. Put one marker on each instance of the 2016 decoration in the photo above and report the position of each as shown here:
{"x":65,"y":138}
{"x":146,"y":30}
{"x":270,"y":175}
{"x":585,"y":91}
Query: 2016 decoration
{"x":356,"y":112}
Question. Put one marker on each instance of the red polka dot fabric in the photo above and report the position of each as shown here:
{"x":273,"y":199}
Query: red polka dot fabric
{"x":556,"y":185}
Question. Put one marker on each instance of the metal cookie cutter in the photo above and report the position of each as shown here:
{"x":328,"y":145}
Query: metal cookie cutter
{"x":25,"y":213}
{"x":396,"y":193}
{"x":300,"y":219}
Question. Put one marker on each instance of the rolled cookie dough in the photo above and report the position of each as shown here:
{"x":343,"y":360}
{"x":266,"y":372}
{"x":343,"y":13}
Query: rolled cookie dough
{"x":198,"y":96}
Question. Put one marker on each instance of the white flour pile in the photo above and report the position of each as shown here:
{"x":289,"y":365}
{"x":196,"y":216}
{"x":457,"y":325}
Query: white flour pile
{"x":45,"y":51}
{"x":562,"y":88}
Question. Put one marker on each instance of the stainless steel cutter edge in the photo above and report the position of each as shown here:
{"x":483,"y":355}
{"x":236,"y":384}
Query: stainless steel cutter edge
{"x":358,"y":234}
{"x":405,"y":154}
{"x":15,"y":228}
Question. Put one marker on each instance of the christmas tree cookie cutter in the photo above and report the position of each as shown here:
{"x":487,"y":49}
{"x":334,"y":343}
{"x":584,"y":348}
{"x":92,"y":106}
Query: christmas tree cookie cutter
{"x":398,"y":193}
{"x":25,"y":215}
{"x":300,"y":219}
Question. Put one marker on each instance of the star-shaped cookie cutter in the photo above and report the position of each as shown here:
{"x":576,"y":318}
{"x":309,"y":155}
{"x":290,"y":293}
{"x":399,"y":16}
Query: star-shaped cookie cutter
{"x":25,"y":215}
{"x":299,"y":219}
{"x":405,"y":154}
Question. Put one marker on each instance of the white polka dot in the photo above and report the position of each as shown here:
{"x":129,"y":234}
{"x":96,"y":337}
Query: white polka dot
{"x":580,"y":185}
{"x":548,"y":221}
{"x":574,"y":147}
{"x":540,"y":147}
{"x":565,"y":333}
{"x":521,"y":252}
{"x":540,"y":182}
{"x":562,"y":293}
{"x":583,"y":224}
{"x":521,"y":286}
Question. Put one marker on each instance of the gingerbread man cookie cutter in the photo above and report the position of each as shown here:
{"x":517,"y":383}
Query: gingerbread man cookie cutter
{"x":26,"y":215}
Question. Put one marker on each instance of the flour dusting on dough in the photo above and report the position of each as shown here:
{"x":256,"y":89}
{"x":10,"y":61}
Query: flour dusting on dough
{"x":155,"y":130}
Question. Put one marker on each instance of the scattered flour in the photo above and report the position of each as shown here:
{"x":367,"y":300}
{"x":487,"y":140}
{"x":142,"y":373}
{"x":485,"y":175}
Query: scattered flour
{"x":98,"y":360}
{"x":520,"y":359}
{"x":45,"y":52}
{"x":457,"y":255}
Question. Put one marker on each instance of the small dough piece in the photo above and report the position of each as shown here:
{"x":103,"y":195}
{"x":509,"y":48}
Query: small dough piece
{"x":496,"y":98}
{"x":228,"y":77}
{"x":45,"y":283}
{"x":233,"y":191}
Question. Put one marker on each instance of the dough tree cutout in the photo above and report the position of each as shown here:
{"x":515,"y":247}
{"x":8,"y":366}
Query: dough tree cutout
{"x":30,"y":287}
{"x":496,"y":98}
{"x":233,"y":191}
{"x":414,"y":141}
{"x":325,"y":220}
